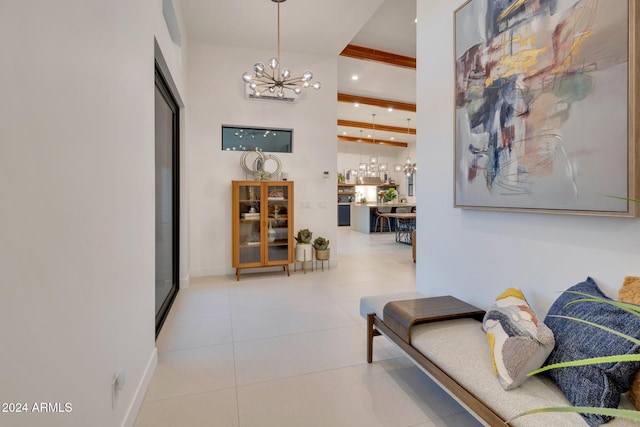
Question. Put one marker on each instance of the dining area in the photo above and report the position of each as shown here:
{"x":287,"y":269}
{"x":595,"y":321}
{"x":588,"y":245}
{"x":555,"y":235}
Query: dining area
{"x":403,"y":224}
{"x":398,"y":218}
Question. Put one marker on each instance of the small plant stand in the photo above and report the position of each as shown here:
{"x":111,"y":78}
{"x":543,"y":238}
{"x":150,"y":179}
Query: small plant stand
{"x":324,"y":256}
{"x":307,"y":256}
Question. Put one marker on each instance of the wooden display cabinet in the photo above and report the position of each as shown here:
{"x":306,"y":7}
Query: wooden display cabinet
{"x":262,"y":224}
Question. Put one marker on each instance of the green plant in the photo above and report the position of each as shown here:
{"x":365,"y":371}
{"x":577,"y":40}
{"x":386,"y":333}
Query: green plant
{"x":304,"y":236}
{"x":390,"y":194}
{"x":340,"y":177}
{"x":613,"y":412}
{"x":320,"y":244}
{"x":363,"y":200}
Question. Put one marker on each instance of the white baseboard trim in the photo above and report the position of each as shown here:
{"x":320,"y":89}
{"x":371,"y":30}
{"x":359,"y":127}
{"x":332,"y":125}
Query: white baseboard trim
{"x":184,"y":282}
{"x":138,"y":397}
{"x":204,"y":272}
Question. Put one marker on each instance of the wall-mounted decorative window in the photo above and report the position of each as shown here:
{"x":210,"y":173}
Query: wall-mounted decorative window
{"x":242,"y":138}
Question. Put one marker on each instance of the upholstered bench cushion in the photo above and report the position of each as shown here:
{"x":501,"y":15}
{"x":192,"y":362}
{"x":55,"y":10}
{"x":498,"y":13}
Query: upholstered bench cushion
{"x":459,"y":347}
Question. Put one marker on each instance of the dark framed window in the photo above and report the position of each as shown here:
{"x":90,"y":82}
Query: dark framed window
{"x":245,"y":138}
{"x":167,"y":184}
{"x":410,"y":185}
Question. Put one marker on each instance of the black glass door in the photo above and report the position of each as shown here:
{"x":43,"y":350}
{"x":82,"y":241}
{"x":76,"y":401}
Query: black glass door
{"x":167,"y":224}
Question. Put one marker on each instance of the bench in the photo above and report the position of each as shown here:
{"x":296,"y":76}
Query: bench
{"x":450,"y":346}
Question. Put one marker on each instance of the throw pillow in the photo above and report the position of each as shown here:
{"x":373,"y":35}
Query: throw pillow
{"x":519,"y":342}
{"x":593,"y":385}
{"x":630,"y":292}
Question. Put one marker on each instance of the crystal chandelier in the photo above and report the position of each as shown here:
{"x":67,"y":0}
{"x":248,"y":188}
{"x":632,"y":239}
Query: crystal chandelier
{"x":275,"y":80}
{"x":409,"y":167}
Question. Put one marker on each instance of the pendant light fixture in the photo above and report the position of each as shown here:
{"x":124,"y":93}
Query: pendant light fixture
{"x":363,"y":166}
{"x":274,"y":79}
{"x":409,"y":167}
{"x":373,"y":160}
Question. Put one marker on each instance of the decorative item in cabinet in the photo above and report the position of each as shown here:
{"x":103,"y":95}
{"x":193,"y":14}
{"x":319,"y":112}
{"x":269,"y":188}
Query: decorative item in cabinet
{"x":346,"y":193}
{"x":262,"y":221}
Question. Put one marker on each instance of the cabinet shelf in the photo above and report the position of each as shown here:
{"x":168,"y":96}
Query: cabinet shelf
{"x":273,"y":203}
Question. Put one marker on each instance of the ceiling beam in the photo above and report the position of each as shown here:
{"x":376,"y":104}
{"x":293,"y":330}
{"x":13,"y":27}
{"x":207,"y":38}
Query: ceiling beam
{"x":370,"y":141}
{"x":385,"y":128}
{"x":383,"y":103}
{"x":368,"y":54}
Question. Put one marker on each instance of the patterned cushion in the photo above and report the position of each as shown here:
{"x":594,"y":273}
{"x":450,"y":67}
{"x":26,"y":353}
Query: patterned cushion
{"x":630,"y":292}
{"x":519,"y":342}
{"x":593,"y":385}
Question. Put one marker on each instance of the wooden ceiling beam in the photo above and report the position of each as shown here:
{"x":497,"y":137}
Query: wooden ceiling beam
{"x":380,"y":127}
{"x":368,"y":54}
{"x":370,"y":141}
{"x":383,"y":103}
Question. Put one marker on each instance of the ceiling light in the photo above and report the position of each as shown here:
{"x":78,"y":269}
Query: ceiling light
{"x":373,"y":160}
{"x":356,"y":105}
{"x":354,"y":77}
{"x":275,"y":80}
{"x":409,"y":168}
{"x":389,"y":109}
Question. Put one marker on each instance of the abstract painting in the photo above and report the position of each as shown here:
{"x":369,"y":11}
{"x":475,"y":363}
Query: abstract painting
{"x":544,"y":105}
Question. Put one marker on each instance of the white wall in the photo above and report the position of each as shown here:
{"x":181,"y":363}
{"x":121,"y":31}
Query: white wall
{"x":216,"y":97}
{"x":77,"y":219}
{"x":475,"y":255}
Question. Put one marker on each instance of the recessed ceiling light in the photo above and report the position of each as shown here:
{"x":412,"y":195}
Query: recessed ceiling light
{"x":369,"y":136}
{"x":415,"y":20}
{"x":344,"y":133}
{"x":356,"y":105}
{"x":354,"y":77}
{"x":392,"y":138}
{"x":389,"y":109}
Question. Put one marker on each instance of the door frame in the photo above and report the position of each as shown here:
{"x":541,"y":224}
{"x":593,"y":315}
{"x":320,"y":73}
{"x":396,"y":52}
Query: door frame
{"x":163,"y":87}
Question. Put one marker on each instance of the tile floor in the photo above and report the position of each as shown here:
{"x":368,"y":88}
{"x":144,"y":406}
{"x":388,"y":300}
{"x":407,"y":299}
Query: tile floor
{"x":277,"y":351}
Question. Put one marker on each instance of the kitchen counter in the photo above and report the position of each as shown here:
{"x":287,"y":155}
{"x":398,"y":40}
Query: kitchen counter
{"x":363,"y":214}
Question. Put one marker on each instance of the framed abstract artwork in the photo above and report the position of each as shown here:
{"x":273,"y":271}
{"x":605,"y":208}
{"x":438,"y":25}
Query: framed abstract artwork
{"x":546,"y":106}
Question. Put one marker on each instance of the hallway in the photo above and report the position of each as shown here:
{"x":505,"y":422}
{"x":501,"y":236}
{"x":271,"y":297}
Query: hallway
{"x":272,"y":351}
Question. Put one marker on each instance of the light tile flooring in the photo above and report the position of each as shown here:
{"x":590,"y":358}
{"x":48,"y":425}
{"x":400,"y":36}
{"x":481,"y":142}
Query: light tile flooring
{"x":277,"y":351}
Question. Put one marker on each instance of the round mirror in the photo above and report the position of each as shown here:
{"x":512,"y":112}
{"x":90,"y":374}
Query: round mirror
{"x":271,"y":165}
{"x":249,"y":161}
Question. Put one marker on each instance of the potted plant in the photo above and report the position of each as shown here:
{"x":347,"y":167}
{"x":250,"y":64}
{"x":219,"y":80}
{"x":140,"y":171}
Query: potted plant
{"x":390,"y":195}
{"x":321,"y":246}
{"x":303,"y":245}
{"x":340,"y":178}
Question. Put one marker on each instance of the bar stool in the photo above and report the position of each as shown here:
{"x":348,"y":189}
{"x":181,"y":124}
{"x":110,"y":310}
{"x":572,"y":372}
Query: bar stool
{"x":382,"y":219}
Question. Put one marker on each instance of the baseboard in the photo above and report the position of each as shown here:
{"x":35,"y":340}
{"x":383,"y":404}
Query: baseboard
{"x":204,"y":272}
{"x":138,"y":397}
{"x":184,"y":282}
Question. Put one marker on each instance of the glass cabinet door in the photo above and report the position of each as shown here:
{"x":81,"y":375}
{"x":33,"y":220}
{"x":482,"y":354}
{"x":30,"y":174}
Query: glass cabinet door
{"x":249,"y":229}
{"x":278,"y":220}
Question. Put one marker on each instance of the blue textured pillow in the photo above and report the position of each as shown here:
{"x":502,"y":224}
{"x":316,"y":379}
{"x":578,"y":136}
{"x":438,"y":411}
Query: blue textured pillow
{"x":594,"y":385}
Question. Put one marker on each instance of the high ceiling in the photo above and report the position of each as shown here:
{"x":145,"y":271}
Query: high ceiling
{"x":383,"y":25}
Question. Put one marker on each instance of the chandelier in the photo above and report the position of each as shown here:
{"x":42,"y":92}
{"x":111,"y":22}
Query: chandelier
{"x":274,"y":79}
{"x":409,"y":167}
{"x":373,"y":159}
